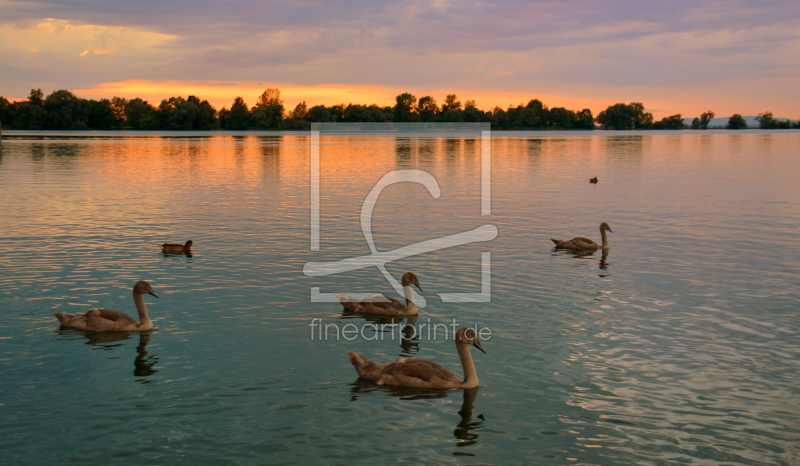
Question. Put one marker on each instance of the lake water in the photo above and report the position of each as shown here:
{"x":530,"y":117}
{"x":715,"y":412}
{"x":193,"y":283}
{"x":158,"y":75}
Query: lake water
{"x":680,"y":346}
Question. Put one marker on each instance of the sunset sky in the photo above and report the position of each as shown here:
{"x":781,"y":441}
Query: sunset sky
{"x":675,"y":57}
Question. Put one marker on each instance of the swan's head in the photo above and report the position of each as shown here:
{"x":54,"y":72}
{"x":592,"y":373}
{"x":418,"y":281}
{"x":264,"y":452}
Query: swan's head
{"x":142,"y":287}
{"x":410,"y":279}
{"x":188,"y":244}
{"x":468,"y":336}
{"x":604,"y":226}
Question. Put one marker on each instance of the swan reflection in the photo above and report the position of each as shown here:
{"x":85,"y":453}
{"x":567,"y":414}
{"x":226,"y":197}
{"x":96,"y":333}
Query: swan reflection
{"x":585,"y":254}
{"x":465,"y":431}
{"x":143,"y":363}
{"x":409,"y":341}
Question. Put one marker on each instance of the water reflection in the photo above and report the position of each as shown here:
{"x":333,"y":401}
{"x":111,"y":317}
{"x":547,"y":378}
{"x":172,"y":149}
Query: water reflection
{"x":107,"y":341}
{"x":187,"y":254}
{"x":466,"y":429}
{"x":404,"y":325}
{"x":586,"y":254}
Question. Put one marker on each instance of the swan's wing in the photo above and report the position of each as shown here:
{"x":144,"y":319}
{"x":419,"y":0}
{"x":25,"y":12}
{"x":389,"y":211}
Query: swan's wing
{"x":421,"y":370}
{"x":388,"y":303}
{"x":579,"y":242}
{"x":110,"y":315}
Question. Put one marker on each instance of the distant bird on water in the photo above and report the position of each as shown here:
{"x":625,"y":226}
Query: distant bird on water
{"x":593,"y":180}
{"x":580,"y":243}
{"x":170,"y":248}
{"x":413,"y":372}
{"x":105,"y":320}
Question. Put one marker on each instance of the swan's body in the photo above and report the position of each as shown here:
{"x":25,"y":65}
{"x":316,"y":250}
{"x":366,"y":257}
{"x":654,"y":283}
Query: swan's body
{"x":171,"y":248}
{"x":380,"y":304}
{"x":593,"y":180}
{"x":104,"y":320}
{"x":579,"y":243}
{"x":413,"y":372}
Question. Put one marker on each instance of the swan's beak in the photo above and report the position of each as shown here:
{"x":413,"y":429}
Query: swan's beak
{"x":153,"y":294}
{"x":609,"y":229}
{"x":477,"y":344}
{"x":417,"y":285}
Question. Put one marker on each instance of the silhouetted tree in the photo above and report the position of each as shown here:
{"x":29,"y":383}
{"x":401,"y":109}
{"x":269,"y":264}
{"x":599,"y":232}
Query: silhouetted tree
{"x":66,"y":111}
{"x":427,"y":108}
{"x":267,"y":116}
{"x":641,"y":119}
{"x":705,"y":119}
{"x":736,"y":122}
{"x":140,"y":115}
{"x":625,"y":117}
{"x":499,"y":118}
{"x":560,"y":118}
{"x":29,"y":116}
{"x":36,"y":97}
{"x":583,"y":120}
{"x":451,"y":102}
{"x":321,"y":114}
{"x":670,"y":122}
{"x":300,"y":110}
{"x":766,"y":121}
{"x":7,"y":111}
{"x":206,"y":117}
{"x":102,"y":115}
{"x":177,"y":113}
{"x":269,"y":97}
{"x":239,"y":117}
{"x":405,"y":105}
{"x":118,"y":108}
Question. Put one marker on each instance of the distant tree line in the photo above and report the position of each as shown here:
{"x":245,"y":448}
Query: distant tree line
{"x":62,"y":110}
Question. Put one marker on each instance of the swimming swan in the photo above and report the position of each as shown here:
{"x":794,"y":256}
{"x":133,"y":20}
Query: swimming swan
{"x":585,"y":244}
{"x":413,"y":372}
{"x":170,"y":248}
{"x":102,"y":320}
{"x":380,"y":304}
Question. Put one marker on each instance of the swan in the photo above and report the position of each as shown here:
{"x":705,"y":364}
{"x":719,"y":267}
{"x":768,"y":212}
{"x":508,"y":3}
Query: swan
{"x":101,"y":320}
{"x":585,"y":244}
{"x":380,"y":304}
{"x":171,"y":248}
{"x":593,"y":180}
{"x":413,"y":372}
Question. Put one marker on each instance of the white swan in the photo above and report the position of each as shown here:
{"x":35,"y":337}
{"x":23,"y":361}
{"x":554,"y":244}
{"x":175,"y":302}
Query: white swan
{"x":413,"y":372}
{"x":380,"y":304}
{"x":103,"y":320}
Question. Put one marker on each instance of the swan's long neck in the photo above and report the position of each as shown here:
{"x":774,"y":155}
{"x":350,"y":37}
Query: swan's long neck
{"x":605,"y":239}
{"x":409,"y":294}
{"x":144,"y":320}
{"x":470,"y":374}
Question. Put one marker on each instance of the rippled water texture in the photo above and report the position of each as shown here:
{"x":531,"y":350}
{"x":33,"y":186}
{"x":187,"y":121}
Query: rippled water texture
{"x":680,"y":346}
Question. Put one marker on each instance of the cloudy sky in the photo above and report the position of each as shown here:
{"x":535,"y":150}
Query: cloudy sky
{"x":675,"y":57}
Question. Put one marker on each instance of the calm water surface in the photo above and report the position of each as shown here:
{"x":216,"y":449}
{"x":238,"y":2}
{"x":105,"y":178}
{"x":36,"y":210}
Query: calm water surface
{"x":680,"y":346}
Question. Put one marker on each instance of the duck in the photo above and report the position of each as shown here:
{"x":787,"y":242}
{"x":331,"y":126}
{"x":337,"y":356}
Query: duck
{"x":580,"y":243}
{"x":383,"y":305}
{"x":421,"y":373}
{"x":108,"y":320}
{"x":171,"y":248}
{"x":593,"y":180}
